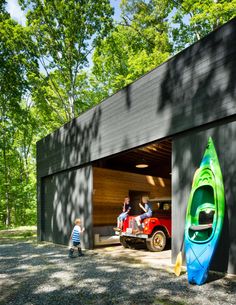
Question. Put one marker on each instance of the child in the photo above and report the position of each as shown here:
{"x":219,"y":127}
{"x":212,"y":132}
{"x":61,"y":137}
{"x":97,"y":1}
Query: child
{"x":75,"y":237}
{"x":147,"y":212}
{"x":124,"y":214}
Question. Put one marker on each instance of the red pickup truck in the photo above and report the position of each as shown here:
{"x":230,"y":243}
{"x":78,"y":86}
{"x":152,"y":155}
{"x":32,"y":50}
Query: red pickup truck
{"x":156,"y":229}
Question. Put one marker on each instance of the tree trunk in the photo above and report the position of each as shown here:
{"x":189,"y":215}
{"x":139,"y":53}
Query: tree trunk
{"x":6,"y":182}
{"x":72,"y":107}
{"x":7,"y":201}
{"x":217,"y":22}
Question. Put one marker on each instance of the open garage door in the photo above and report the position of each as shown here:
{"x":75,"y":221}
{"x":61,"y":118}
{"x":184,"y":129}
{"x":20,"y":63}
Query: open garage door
{"x":141,"y":171}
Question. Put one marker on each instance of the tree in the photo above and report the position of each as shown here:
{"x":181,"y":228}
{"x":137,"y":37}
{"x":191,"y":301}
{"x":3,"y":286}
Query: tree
{"x":15,"y":62}
{"x":65,"y":33}
{"x":195,"y":19}
{"x":150,"y":31}
{"x":137,"y":44}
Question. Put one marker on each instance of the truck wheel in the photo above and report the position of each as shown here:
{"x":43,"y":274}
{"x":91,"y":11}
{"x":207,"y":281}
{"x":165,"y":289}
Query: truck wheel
{"x":157,"y":241}
{"x":124,"y":242}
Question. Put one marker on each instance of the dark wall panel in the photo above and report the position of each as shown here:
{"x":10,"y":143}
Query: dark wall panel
{"x":66,"y":196}
{"x":195,"y":87}
{"x":187,"y":154}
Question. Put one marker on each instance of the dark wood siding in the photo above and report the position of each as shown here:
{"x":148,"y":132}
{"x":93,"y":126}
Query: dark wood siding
{"x":195,"y":87}
{"x":186,"y":157}
{"x":66,"y":196}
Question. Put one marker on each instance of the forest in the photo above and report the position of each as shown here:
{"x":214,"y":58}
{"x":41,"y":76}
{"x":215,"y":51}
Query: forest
{"x":70,"y":55}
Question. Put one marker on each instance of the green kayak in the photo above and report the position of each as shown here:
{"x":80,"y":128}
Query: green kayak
{"x":204,"y":216}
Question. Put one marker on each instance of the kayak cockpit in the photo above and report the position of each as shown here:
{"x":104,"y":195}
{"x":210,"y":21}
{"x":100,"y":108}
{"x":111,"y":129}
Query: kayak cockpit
{"x":202,"y":214}
{"x":200,"y":233}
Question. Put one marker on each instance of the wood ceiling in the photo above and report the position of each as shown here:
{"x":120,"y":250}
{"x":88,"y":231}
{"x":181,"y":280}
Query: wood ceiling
{"x":156,"y":155}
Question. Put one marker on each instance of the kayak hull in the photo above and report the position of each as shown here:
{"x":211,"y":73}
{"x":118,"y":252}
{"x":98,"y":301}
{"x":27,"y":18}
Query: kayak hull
{"x":198,"y":262}
{"x":204,"y":216}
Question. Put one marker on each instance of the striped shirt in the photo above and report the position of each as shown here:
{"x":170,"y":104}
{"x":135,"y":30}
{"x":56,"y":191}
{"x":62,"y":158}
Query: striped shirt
{"x":76,"y":234}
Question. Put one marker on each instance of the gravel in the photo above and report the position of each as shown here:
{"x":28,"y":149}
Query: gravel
{"x":41,"y":274}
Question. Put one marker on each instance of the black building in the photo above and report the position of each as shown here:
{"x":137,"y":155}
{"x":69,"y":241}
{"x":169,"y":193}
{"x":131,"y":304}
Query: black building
{"x":171,"y":111}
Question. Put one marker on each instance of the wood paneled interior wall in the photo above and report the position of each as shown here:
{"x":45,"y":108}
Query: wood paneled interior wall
{"x":110,"y":187}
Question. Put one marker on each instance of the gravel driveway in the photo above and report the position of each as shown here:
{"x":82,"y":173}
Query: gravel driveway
{"x":41,"y":274}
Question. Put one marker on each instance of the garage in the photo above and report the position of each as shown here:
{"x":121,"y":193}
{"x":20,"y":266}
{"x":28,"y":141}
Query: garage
{"x":163,"y":120}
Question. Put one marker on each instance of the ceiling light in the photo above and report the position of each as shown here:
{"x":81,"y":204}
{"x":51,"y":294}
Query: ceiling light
{"x":141,"y":165}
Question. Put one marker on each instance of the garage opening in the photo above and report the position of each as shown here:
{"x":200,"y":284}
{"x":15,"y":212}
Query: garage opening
{"x":144,"y":171}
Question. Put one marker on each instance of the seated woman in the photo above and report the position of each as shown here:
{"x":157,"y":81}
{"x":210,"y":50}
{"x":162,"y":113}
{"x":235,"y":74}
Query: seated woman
{"x":125,"y":211}
{"x":147,"y":208}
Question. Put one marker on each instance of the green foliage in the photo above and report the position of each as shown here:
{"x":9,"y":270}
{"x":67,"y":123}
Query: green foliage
{"x":65,"y":33}
{"x":43,"y":84}
{"x":195,"y":19}
{"x":136,"y":45}
{"x":17,"y":125}
{"x":149,"y":32}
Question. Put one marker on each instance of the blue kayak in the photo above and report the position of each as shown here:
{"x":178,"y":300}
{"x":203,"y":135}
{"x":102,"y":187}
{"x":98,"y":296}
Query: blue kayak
{"x":204,"y":216}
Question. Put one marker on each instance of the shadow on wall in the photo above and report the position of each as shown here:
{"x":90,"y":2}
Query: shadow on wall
{"x":70,"y":195}
{"x":199,"y":85}
{"x":230,"y":189}
{"x":202,"y":80}
{"x":75,"y":139}
{"x":70,"y":192}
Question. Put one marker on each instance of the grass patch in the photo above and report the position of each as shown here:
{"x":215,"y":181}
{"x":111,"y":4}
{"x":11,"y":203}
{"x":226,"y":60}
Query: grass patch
{"x":20,"y":233}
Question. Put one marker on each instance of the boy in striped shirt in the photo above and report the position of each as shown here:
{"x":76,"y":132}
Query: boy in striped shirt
{"x":75,"y":237}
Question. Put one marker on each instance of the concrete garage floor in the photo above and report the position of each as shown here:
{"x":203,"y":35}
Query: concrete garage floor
{"x":141,"y":256}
